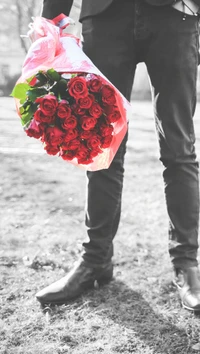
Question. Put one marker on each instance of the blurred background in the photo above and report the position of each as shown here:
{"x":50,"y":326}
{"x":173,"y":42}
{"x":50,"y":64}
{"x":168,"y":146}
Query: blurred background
{"x":15,"y":15}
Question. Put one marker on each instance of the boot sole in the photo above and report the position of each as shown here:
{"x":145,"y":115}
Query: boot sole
{"x":192,"y":309}
{"x":88,"y":286}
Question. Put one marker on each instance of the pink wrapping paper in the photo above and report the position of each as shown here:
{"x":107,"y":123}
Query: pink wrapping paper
{"x":52,"y":48}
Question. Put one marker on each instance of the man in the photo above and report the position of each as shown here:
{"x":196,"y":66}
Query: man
{"x":118,"y":34}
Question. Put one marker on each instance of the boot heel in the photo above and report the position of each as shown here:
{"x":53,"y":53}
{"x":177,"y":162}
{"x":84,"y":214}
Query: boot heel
{"x":106,"y":275}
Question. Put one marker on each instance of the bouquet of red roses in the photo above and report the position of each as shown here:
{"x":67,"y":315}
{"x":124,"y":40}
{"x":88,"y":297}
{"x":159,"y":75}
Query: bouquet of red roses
{"x":64,"y":100}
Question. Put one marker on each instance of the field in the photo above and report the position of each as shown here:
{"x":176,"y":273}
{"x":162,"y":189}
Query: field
{"x":41,"y":231}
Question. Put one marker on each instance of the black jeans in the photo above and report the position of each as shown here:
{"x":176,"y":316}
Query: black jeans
{"x":116,"y":40}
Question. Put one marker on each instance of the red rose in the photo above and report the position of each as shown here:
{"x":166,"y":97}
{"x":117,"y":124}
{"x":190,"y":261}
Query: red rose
{"x":95,"y":110}
{"x":107,"y":91}
{"x":35,"y":130}
{"x":85,"y":161}
{"x":95,"y":84}
{"x":43,"y":126}
{"x":67,"y":155}
{"x":114,"y":116}
{"x":70,"y":135}
{"x":108,"y":95}
{"x":48,"y":104}
{"x":106,"y":141}
{"x":106,"y":130}
{"x":86,"y":102}
{"x":77,"y":110}
{"x":51,"y":150}
{"x":41,"y":117}
{"x":95,"y":152}
{"x":82,"y":152}
{"x":86,"y":134}
{"x":94,"y":142}
{"x":83,"y":155}
{"x":111,"y":100}
{"x":63,"y":110}
{"x":71,"y":145}
{"x":78,"y":87}
{"x":88,"y":123}
{"x":69,"y":123}
{"x":108,"y":109}
{"x":54,"y":136}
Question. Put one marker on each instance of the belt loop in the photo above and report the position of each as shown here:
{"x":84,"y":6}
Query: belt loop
{"x":184,"y":14}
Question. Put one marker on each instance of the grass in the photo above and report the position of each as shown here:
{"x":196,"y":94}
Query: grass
{"x":41,"y":232}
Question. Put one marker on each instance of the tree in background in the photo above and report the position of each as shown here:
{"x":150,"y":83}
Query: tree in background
{"x":26,"y":10}
{"x":15,"y":15}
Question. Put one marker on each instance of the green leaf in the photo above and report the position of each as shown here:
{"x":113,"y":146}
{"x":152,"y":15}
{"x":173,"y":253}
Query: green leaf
{"x":35,"y":93}
{"x":41,"y":78}
{"x":53,"y":75}
{"x":62,"y":84}
{"x":33,"y":107}
{"x":19,"y":91}
{"x":26,"y":118}
{"x":26,"y":126}
{"x":22,"y":101}
{"x":59,"y":89}
{"x":26,"y":104}
{"x":54,"y":90}
{"x":27,"y":112}
{"x":21,"y":110}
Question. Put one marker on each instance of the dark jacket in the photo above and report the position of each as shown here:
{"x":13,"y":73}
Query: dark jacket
{"x":52,"y":8}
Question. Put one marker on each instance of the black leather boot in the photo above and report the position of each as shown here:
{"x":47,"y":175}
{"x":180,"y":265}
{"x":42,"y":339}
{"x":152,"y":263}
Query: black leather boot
{"x":187,"y":282}
{"x":79,"y":279}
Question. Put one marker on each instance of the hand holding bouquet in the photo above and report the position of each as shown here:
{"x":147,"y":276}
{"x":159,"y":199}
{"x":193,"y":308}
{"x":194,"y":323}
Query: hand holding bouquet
{"x":65,"y":101}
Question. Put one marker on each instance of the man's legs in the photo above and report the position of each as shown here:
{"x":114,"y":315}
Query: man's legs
{"x":103,"y":209}
{"x":108,"y":41}
{"x":172,"y":62}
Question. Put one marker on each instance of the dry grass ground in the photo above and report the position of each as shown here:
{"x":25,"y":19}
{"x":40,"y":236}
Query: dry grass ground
{"x":41,"y":231}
